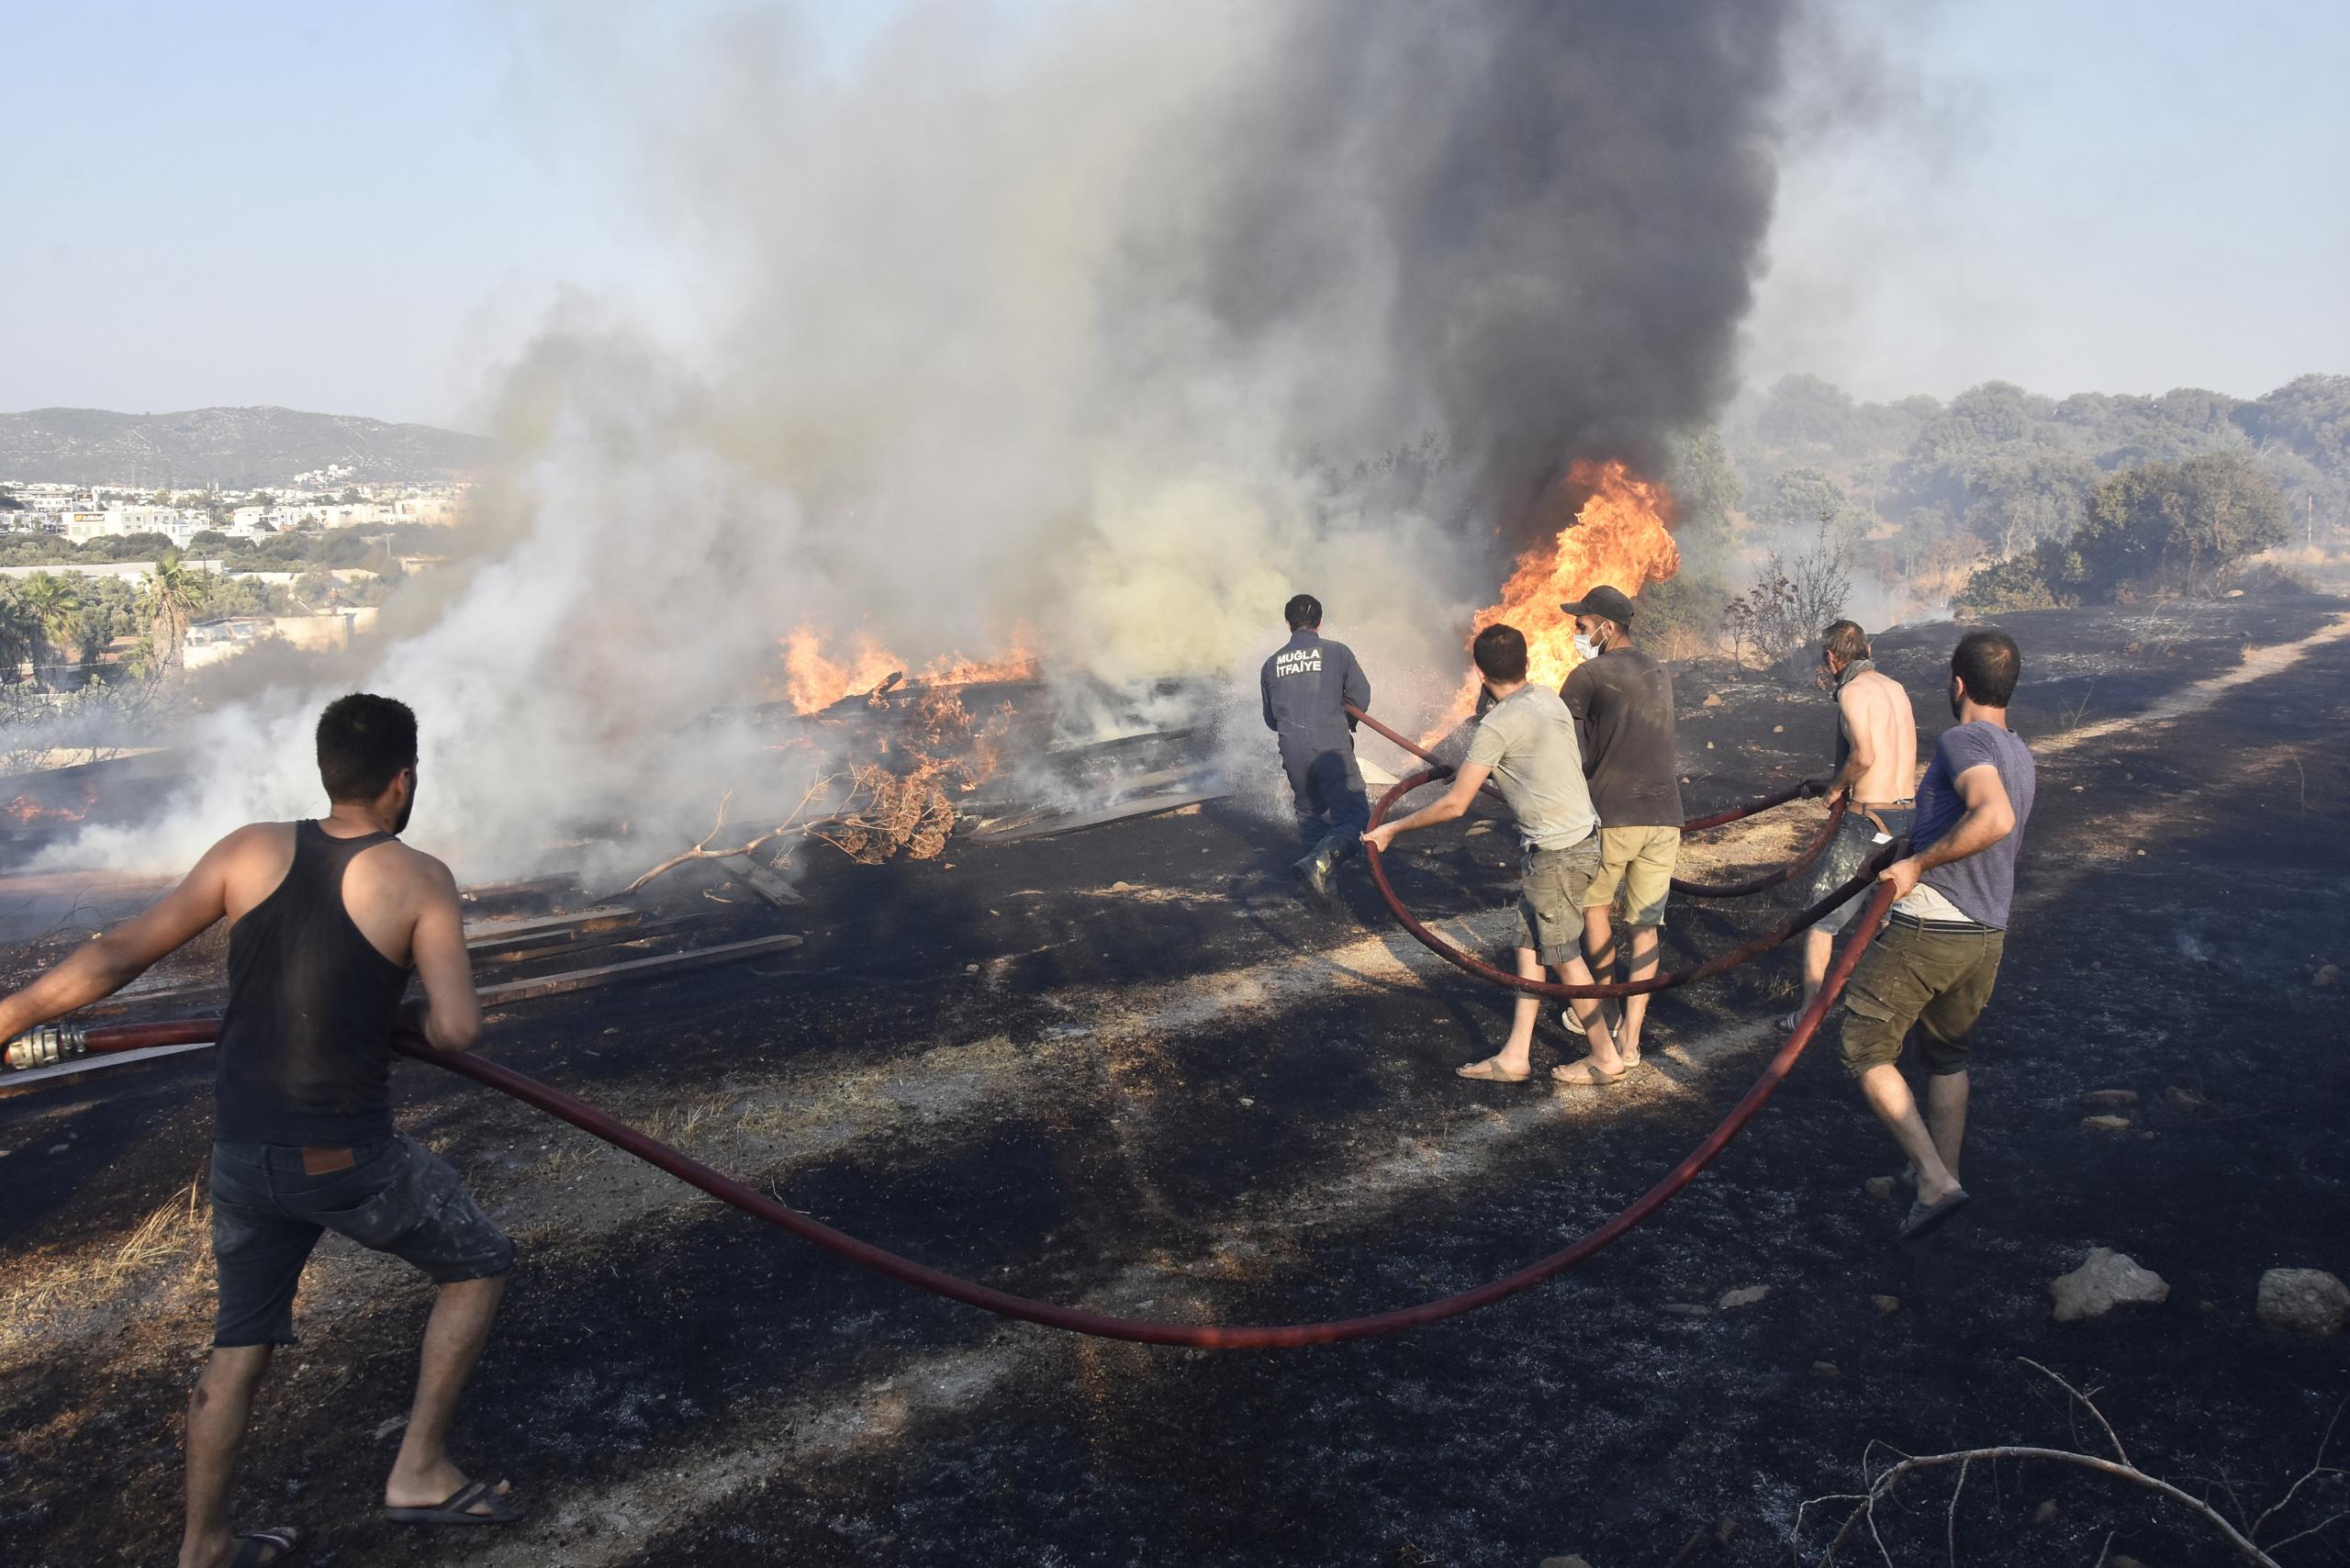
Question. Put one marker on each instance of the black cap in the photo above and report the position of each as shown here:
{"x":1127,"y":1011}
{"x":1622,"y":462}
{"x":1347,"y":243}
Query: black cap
{"x":1603,"y":600}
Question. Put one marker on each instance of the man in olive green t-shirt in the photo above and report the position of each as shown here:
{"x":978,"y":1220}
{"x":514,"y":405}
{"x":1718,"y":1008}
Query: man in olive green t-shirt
{"x":1525,"y":744}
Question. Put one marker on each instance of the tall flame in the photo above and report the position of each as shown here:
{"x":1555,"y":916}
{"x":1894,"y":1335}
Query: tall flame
{"x":1616,"y":534}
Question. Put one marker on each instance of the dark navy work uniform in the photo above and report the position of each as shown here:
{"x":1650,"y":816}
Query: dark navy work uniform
{"x":1307,"y":685}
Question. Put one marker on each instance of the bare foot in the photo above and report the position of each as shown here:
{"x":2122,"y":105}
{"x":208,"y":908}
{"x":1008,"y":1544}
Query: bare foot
{"x":1491,"y":1071}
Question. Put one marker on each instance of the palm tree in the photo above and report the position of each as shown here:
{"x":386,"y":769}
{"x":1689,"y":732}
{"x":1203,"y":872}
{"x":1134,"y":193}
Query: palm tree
{"x":49,"y":604}
{"x":175,"y":593}
{"x":19,"y":637}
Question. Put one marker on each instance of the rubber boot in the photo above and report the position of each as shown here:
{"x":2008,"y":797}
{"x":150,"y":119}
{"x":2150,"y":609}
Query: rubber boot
{"x":1314,"y":871}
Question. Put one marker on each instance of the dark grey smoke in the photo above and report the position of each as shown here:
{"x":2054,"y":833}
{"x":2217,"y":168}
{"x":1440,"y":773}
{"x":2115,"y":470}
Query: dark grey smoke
{"x":1574,"y":198}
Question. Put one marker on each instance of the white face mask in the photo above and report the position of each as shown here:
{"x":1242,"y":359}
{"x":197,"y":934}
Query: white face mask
{"x":1585,"y":648}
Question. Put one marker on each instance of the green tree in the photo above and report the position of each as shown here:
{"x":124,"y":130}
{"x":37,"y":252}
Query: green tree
{"x":51,"y":606}
{"x":317,"y":588}
{"x":2020,"y":501}
{"x":175,"y":592}
{"x":2173,"y":524}
{"x":1706,"y":489}
{"x":19,"y":637}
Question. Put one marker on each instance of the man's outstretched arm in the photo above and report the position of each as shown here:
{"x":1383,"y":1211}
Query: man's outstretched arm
{"x":1989,"y":818}
{"x":105,"y":964}
{"x":450,"y":1019}
{"x":1451,"y":804}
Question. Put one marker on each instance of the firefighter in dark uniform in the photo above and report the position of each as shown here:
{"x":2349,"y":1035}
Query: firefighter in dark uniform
{"x":1307,"y":685}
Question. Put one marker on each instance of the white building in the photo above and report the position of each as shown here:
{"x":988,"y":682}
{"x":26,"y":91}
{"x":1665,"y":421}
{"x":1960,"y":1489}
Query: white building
{"x":179,"y":527}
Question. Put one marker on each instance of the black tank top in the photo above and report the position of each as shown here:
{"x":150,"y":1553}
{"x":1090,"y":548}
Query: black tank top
{"x":306,"y":1042}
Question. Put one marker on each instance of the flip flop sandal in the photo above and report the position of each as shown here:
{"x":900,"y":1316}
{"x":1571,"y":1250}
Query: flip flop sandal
{"x":1594,"y":1078}
{"x":457,"y":1508}
{"x":1923,"y":1217}
{"x":253,"y":1543}
{"x":1489,"y":1073}
{"x":1573,"y":1025}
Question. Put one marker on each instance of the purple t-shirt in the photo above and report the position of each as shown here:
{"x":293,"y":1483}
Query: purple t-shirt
{"x":1983,"y":884}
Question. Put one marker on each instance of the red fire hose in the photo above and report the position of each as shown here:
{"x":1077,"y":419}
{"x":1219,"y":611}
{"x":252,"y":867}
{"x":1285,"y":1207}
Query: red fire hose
{"x":1706,"y":971}
{"x":1793,"y":868}
{"x":725,"y":1188}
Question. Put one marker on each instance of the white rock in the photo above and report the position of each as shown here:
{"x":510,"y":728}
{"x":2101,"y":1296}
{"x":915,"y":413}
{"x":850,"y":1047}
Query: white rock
{"x":1746,"y":1295}
{"x":2309,"y":1302}
{"x":2105,"y":1281}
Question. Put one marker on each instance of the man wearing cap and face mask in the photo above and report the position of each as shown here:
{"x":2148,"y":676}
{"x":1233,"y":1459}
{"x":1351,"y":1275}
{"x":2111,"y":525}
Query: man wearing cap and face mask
{"x":1622,"y":703}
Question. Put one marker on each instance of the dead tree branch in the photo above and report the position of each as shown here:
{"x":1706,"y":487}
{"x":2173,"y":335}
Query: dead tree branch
{"x":881,"y":813}
{"x":702,"y":851}
{"x":1880,"y":1486}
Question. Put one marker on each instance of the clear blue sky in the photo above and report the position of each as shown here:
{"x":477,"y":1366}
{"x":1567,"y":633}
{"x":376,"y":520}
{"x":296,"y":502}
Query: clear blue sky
{"x":360,"y":209}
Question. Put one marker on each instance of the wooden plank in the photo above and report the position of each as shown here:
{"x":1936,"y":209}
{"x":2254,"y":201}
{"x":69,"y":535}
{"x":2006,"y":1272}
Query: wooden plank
{"x":561,"y":945}
{"x":600,"y":927}
{"x":763,"y":881}
{"x":584,"y":979}
{"x":603,"y":917}
{"x":1150,"y":805}
{"x":26,"y":1077}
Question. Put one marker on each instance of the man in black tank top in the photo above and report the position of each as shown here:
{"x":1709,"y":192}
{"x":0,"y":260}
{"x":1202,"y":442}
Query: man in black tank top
{"x":328,"y":919}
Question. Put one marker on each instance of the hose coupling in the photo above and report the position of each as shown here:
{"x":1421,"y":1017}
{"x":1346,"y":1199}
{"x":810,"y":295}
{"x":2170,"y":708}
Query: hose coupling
{"x":50,"y":1044}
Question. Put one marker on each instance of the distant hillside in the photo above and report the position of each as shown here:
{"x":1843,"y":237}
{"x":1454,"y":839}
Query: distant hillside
{"x":233,"y":447}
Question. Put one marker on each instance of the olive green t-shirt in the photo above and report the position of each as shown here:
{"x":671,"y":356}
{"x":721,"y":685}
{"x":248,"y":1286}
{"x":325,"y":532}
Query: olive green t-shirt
{"x":1528,"y":740}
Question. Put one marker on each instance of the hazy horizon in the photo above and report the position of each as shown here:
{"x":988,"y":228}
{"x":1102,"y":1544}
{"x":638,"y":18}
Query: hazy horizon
{"x":375,"y":215}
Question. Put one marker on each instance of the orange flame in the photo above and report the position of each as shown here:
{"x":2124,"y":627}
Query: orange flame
{"x":1617,"y":534}
{"x":814,"y":680}
{"x":26,"y":811}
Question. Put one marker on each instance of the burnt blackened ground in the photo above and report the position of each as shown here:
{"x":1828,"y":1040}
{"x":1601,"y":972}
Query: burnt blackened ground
{"x":1192,"y":1096}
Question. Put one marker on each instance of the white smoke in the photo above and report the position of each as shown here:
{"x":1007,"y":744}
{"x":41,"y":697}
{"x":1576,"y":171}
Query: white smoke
{"x":1060,"y":328}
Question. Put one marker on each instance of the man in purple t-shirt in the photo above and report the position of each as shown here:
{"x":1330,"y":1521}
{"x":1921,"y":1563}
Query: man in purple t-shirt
{"x":1933,"y":965}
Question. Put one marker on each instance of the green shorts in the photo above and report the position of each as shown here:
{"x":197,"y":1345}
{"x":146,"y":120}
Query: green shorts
{"x":1549,"y":900}
{"x":1937,"y":980}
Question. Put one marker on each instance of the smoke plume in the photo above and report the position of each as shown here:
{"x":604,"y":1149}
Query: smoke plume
{"x":1085,"y":329}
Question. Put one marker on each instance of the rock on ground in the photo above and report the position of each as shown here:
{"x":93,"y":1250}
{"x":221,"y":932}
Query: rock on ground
{"x":1746,"y":1295}
{"x":2109,"y":1099}
{"x":2107,"y":1280}
{"x":2309,"y":1302}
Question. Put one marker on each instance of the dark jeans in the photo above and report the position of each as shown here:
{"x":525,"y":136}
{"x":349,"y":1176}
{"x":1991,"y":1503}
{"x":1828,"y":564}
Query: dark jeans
{"x":1327,"y":789}
{"x":393,"y":1196}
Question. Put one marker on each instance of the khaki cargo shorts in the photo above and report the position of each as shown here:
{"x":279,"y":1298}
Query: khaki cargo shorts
{"x":1935,"y":980}
{"x":1638,"y":862}
{"x":1549,"y":900}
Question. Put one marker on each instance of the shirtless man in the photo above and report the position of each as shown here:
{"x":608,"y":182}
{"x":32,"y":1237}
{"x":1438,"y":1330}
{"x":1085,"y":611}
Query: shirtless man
{"x":327,"y":921}
{"x":1877,"y":758}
